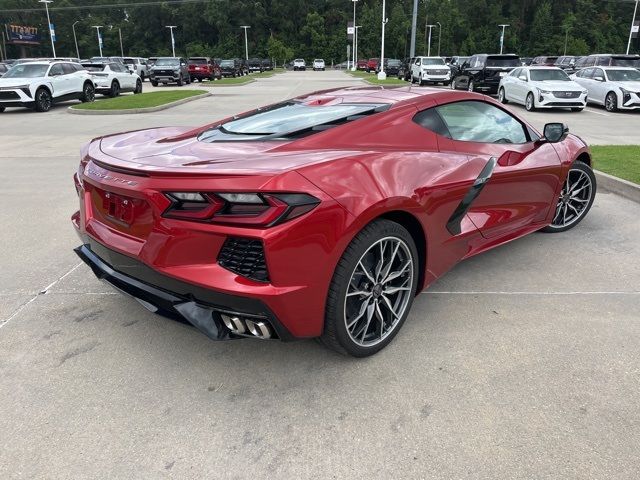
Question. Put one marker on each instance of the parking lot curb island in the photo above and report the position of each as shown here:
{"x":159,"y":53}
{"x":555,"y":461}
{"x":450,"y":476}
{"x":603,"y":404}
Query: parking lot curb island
{"x":619,"y":186}
{"x":139,"y":110}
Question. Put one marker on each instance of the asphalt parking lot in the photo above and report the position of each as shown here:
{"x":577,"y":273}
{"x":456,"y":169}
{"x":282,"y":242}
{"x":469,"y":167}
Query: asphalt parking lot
{"x":521,"y":363}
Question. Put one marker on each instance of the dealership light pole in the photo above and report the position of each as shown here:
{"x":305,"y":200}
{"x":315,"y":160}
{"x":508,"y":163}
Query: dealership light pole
{"x":355,"y":58}
{"x":429,"y":44}
{"x":382,"y":75}
{"x":414,"y":21}
{"x":353,"y":39}
{"x":439,"y":36}
{"x":173,"y":40}
{"x":633,"y":26}
{"x":52,"y":32}
{"x":246,"y":43}
{"x":121,"y":49}
{"x":504,"y":26}
{"x":75,"y":40}
{"x":98,"y":27}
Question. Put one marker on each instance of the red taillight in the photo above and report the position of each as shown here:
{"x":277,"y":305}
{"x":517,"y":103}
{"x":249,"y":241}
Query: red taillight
{"x":249,"y":209}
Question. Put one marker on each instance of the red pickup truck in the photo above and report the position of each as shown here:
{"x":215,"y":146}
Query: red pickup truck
{"x":203,"y":68}
{"x":372,"y":64}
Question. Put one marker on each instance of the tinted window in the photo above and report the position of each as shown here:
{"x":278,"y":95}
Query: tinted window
{"x":164,"y":62}
{"x":625,"y":62}
{"x":602,"y":61}
{"x":431,"y":120}
{"x":624,"y":75}
{"x":56,"y":70}
{"x":587,"y":72}
{"x":503,"y":62}
{"x":474,"y":121}
{"x":516,"y":72}
{"x":598,"y":72}
{"x":432,"y":61}
{"x":67,"y":68}
{"x":197,"y":61}
{"x":550,"y":74}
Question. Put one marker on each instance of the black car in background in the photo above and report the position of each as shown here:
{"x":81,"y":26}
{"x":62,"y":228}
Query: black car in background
{"x":391,"y":66}
{"x":255,"y":65}
{"x":266,"y":64}
{"x":565,"y":62}
{"x":455,"y":65}
{"x":544,"y":61}
{"x":526,"y":61}
{"x":404,"y":72}
{"x":231,"y":67}
{"x":608,"y":60}
{"x":483,"y":72}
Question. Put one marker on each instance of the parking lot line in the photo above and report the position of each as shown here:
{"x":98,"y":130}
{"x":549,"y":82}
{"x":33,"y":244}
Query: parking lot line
{"x":597,"y":113}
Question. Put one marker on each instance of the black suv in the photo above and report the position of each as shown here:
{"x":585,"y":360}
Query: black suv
{"x":231,"y":68}
{"x":566,"y":62}
{"x":404,"y":72}
{"x":483,"y":72}
{"x":456,"y":65}
{"x":391,"y":66}
{"x":254,"y":65}
{"x":266,"y":64}
{"x":608,"y":60}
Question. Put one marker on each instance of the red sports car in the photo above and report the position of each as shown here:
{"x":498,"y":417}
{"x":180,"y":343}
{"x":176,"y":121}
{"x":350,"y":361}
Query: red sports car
{"x":322,"y":216}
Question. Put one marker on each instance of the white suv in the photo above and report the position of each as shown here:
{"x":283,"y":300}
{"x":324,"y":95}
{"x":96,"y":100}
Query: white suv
{"x":137,"y":65}
{"x":318,"y":64}
{"x":39,"y":85}
{"x":299,"y":64}
{"x":112,"y":78}
{"x":430,"y":70}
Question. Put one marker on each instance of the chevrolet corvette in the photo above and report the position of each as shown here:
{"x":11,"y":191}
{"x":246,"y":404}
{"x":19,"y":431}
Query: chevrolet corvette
{"x":322,"y":216}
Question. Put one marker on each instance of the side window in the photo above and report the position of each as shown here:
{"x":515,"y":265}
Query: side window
{"x":598,"y":72}
{"x":515,"y":73}
{"x":588,"y":73}
{"x":67,"y":68}
{"x":602,"y":61}
{"x":56,"y":70}
{"x":474,"y":121}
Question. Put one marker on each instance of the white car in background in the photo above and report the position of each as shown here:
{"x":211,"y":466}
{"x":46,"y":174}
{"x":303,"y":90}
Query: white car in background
{"x":318,"y":64}
{"x":542,"y":87}
{"x":434,"y":70}
{"x":137,"y":65}
{"x":38,"y":85}
{"x":299,"y":64}
{"x":113,"y":78}
{"x":617,"y":88}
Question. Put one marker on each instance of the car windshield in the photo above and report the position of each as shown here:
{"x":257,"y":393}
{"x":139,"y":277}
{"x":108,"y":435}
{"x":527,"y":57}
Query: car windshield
{"x":318,"y":60}
{"x":226,"y":63}
{"x":548,"y":74}
{"x":167,"y":61}
{"x":26,"y":70}
{"x":197,"y":61}
{"x":129,"y":61}
{"x":503,"y":62}
{"x":432,"y":61}
{"x":394,"y":62}
{"x":625,"y":62}
{"x":624,"y":75}
{"x":291,"y":117}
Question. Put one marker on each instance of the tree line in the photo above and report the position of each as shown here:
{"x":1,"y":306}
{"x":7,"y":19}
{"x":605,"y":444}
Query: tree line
{"x":286,"y":29}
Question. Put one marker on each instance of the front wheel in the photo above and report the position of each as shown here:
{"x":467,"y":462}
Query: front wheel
{"x":2,"y":109}
{"x":115,"y":89}
{"x":180,"y":82}
{"x":502,"y":97}
{"x":44,"y":100}
{"x":155,"y":84}
{"x":529,"y":103}
{"x":611,"y":102}
{"x":576,"y":197}
{"x":372,"y":290}
{"x":88,"y":93}
{"x":138,"y":87}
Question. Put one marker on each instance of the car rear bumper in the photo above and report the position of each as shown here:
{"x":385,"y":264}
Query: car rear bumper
{"x":202,"y":308}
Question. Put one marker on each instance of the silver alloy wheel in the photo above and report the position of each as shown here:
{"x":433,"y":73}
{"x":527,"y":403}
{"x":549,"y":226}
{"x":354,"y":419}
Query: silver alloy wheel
{"x":501,"y":95}
{"x":379,"y":291}
{"x":611,"y":102}
{"x":529,"y":102}
{"x":471,"y":86}
{"x":574,"y":199}
{"x":89,"y":93}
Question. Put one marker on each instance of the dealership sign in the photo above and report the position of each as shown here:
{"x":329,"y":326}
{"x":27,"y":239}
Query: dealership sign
{"x":21,"y":35}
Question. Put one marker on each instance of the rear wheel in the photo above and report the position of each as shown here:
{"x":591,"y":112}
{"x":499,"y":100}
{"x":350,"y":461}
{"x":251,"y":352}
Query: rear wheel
{"x":2,"y":109}
{"x":611,"y":102}
{"x":138,"y":87}
{"x":43,"y":100}
{"x":529,"y":103}
{"x":372,"y":290}
{"x":576,"y":198}
{"x":502,"y":97}
{"x":142,"y":76}
{"x":88,"y":93}
{"x":115,"y":89}
{"x":180,"y":81}
{"x":155,"y":84}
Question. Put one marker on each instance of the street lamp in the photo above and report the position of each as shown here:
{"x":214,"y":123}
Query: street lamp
{"x":246,"y":44}
{"x":566,"y":38}
{"x":504,"y":26}
{"x":382,"y":75}
{"x":633,"y":26}
{"x":173,"y":40}
{"x":52,"y":32}
{"x":98,"y":27}
{"x":75,"y":40}
{"x":429,"y":45}
{"x":439,"y":35}
{"x":355,"y":58}
{"x":353,"y":39}
{"x":121,"y":49}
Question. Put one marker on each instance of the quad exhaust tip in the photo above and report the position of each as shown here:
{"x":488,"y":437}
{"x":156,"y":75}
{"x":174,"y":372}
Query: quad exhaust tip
{"x":246,"y":327}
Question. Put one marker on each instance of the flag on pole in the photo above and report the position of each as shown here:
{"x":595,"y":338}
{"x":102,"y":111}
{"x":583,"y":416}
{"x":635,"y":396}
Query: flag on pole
{"x":52,"y":29}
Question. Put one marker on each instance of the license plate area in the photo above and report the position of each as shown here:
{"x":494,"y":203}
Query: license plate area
{"x":118,"y":207}
{"x":130,"y":215}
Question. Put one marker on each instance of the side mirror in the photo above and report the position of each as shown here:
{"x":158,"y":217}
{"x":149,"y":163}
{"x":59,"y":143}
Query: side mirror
{"x":599,"y":79}
{"x":523,"y":78}
{"x":555,"y":132}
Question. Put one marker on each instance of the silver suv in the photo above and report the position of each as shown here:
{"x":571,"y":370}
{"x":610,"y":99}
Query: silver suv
{"x":170,"y":70}
{"x":137,"y":65}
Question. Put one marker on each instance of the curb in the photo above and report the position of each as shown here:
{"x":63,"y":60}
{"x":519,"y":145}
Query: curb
{"x":215,"y":84}
{"x":139,"y":110}
{"x":624,"y":188}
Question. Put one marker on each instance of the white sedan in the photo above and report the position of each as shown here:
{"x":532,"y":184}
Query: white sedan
{"x":617,"y":88}
{"x":112,"y":78}
{"x":542,"y":87}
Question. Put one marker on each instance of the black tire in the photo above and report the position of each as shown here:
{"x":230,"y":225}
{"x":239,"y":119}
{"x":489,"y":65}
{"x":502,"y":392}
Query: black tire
{"x":138,"y":87}
{"x":2,"y":109}
{"x":611,"y":102}
{"x":155,"y":84}
{"x":335,"y":335}
{"x":114,"y":91}
{"x":578,"y":169}
{"x":142,"y":76}
{"x":88,"y":93}
{"x":43,"y":100}
{"x":530,"y":103}
{"x":180,"y":82}
{"x":502,"y":96}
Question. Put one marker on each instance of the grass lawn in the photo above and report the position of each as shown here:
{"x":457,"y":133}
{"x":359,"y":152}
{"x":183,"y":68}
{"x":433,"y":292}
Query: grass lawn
{"x":229,"y":81}
{"x":373,"y":78}
{"x":143,"y":100}
{"x":621,"y":161}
